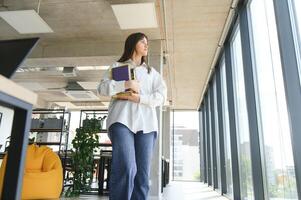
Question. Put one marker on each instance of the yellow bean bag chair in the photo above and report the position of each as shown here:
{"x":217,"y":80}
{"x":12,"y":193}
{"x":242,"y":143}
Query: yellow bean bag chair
{"x":43,"y":174}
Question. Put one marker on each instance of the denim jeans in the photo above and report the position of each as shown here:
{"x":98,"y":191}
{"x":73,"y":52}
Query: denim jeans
{"x":131,"y":162}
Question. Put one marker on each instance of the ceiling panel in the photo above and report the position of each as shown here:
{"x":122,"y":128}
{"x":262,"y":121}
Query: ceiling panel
{"x":196,"y":28}
{"x":86,"y":32}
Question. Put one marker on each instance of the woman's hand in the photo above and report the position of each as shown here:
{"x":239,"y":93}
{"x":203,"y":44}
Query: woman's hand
{"x":133,"y":85}
{"x":134,"y":97}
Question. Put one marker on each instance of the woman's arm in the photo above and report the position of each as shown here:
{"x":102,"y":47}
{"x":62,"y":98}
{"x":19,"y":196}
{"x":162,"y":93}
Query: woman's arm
{"x":158,"y":96}
{"x":109,"y":87}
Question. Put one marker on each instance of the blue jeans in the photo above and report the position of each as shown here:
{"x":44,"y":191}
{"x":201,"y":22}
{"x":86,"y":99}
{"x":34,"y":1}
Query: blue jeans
{"x":131,"y":161}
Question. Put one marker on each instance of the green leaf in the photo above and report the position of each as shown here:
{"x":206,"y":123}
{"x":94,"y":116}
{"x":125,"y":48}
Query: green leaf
{"x":84,"y":143}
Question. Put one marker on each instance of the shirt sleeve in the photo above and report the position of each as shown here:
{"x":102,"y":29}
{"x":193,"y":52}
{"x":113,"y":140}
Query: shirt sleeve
{"x":109,"y":87}
{"x":158,"y":96}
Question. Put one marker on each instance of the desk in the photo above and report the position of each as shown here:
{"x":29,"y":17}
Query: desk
{"x":20,"y":100}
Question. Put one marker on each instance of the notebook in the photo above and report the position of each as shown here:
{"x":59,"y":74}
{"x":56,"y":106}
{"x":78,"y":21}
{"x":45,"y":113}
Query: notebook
{"x":123,"y":73}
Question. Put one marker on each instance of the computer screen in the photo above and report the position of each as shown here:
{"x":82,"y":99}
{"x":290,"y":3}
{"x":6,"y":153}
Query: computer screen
{"x":13,"y":53}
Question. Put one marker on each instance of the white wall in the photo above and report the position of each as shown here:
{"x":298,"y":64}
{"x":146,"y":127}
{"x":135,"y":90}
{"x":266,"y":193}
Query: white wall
{"x":6,"y":125}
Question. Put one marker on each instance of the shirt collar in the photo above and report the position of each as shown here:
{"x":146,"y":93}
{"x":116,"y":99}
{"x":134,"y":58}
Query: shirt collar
{"x":130,"y":61}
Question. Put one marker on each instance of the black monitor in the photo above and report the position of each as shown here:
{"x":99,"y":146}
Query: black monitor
{"x":13,"y":53}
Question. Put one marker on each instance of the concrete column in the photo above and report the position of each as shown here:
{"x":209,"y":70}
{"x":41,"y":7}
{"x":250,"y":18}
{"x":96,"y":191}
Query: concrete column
{"x":156,"y":61}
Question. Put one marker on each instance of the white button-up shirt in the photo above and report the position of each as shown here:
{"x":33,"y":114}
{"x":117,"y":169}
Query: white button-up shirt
{"x":136,"y":116}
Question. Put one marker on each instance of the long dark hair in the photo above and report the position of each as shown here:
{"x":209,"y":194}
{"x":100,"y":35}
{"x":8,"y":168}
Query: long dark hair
{"x":129,"y":48}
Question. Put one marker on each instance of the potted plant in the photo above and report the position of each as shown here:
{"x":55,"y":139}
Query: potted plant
{"x":85,"y":143}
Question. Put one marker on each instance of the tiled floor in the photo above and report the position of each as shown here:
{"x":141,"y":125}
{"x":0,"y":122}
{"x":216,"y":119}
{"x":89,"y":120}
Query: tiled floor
{"x":176,"y":191}
{"x":190,"y":191}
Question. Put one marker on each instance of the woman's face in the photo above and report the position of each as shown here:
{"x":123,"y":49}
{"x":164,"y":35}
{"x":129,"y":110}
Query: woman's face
{"x":142,"y":47}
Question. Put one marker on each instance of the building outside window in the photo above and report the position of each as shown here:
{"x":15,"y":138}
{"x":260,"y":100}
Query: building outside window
{"x":241,"y":118}
{"x":277,"y":157}
{"x":226,"y":130}
{"x":186,"y":165}
{"x":217,"y":141}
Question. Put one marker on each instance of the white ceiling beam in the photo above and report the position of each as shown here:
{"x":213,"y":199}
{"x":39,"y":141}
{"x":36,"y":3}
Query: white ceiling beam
{"x":70,"y":61}
{"x":85,"y":48}
{"x":82,"y":53}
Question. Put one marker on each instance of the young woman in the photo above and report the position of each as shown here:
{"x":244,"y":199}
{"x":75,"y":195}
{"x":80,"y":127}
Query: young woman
{"x":132,"y":121}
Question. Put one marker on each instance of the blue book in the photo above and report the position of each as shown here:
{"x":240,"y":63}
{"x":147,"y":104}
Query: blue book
{"x":123,"y":73}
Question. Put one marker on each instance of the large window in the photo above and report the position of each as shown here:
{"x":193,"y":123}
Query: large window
{"x":186,"y":163}
{"x":241,"y":118}
{"x":277,"y":157}
{"x":216,"y":113}
{"x":209,"y":140}
{"x":226,"y":130}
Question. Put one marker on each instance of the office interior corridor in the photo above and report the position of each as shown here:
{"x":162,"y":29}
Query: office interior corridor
{"x":230,"y":117}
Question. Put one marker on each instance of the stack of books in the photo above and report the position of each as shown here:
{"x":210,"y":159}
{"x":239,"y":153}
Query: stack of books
{"x":123,"y":73}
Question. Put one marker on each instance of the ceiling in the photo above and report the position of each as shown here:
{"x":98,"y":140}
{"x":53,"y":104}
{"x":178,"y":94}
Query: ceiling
{"x":86,"y":33}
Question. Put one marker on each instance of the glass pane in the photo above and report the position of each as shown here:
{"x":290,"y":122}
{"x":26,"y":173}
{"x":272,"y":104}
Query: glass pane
{"x":226,"y":129}
{"x":205,"y":144}
{"x":277,"y":157}
{"x":201,"y":146}
{"x":217,"y":135}
{"x":209,"y":146}
{"x":296,"y":23}
{"x":74,"y":123}
{"x":212,"y":142}
{"x":297,"y":7}
{"x":241,"y":118}
{"x":186,"y":147}
{"x":6,"y":123}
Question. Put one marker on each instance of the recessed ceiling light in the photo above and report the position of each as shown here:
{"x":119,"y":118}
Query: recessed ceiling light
{"x":33,"y":86}
{"x":83,"y":104}
{"x":106,"y":103}
{"x":88,"y":85}
{"x":83,"y":68}
{"x":136,"y":16}
{"x":26,"y":21}
{"x":81,"y":95}
{"x":65,"y":104}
